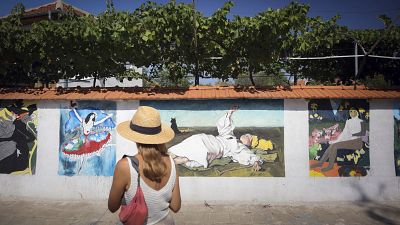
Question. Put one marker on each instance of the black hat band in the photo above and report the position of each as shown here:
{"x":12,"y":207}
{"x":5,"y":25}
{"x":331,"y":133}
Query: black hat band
{"x":145,"y":130}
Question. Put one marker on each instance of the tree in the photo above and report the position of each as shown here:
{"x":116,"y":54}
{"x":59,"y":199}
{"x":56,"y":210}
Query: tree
{"x":261,"y":44}
{"x":13,"y":45}
{"x":219,"y":38}
{"x":309,"y":36}
{"x":263,"y":79}
{"x":163,"y":81}
{"x":163,"y":39}
{"x":388,"y":44}
{"x":18,"y":9}
{"x":344,"y":68}
{"x":174,"y":41}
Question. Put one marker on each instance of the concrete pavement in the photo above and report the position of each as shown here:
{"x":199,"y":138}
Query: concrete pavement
{"x":40,"y":211}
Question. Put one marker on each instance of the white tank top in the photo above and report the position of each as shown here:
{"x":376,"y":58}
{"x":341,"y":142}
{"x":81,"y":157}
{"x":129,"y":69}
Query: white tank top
{"x":157,"y":201}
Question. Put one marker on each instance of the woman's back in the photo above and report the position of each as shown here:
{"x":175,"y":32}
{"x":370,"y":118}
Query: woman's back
{"x":152,"y":184}
{"x":159,"y":179}
{"x":157,"y":195}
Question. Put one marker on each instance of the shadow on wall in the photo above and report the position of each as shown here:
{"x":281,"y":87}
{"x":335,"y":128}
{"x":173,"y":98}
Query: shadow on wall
{"x":378,"y":211}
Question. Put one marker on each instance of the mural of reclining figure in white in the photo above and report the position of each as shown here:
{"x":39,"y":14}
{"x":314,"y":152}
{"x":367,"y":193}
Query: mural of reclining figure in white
{"x":200,"y":150}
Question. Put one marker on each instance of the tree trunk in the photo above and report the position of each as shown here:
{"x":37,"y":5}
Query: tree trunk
{"x":295,"y":79}
{"x":196,"y":74}
{"x":94,"y":80}
{"x":251,"y":76}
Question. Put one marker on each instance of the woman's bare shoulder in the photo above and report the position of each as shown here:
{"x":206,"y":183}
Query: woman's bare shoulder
{"x":122,"y":166}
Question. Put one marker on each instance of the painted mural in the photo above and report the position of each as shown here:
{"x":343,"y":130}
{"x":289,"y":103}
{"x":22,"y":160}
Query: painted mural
{"x":339,"y":137}
{"x":396,"y":116}
{"x":18,"y":136}
{"x":87,"y":143}
{"x":225,"y":137}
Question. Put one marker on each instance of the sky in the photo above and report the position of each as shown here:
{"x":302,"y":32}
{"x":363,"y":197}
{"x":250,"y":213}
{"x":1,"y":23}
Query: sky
{"x":251,"y":113}
{"x":355,"y":14}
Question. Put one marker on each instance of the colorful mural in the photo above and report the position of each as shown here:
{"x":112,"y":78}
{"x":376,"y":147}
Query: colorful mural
{"x":18,"y":136}
{"x":87,"y":143}
{"x":225,"y":137}
{"x":396,"y":117}
{"x":339,"y":137}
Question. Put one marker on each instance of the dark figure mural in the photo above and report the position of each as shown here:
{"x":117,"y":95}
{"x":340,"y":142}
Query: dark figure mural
{"x":174,"y":126}
{"x":396,"y":138}
{"x":18,"y":143}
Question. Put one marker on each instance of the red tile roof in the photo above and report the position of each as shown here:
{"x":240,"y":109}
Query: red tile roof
{"x":53,"y":6}
{"x":201,"y":92}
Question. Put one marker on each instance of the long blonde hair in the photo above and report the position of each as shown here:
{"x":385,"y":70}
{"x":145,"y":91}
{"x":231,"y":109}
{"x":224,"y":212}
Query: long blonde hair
{"x":154,"y":166}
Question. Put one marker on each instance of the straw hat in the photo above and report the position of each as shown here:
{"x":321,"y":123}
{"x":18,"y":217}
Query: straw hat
{"x":146,"y":127}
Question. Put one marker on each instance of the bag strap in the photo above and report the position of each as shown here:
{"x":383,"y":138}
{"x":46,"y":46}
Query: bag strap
{"x":135,"y":164}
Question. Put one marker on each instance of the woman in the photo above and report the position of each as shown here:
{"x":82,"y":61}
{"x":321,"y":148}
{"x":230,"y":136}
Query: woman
{"x":159,"y":178}
{"x":90,"y":121}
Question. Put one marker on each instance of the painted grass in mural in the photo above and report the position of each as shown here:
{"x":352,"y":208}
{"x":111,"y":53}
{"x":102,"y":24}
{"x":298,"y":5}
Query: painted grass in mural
{"x":396,"y":117}
{"x":339,"y":137}
{"x":18,"y":136}
{"x":225,"y":137}
{"x":87,"y":145}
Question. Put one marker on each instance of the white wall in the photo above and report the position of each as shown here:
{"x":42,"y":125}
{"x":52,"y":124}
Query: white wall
{"x":104,"y":82}
{"x":380,"y":184}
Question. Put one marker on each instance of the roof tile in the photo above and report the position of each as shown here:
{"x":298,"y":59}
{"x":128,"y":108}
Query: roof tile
{"x":51,"y":7}
{"x":206,"y":92}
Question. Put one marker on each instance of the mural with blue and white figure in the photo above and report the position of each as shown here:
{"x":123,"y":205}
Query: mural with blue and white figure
{"x":87,"y":139}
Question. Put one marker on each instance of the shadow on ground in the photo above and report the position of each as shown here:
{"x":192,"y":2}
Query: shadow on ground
{"x":375,"y":210}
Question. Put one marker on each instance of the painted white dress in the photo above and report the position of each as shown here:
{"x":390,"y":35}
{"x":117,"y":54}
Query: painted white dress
{"x":351,"y":127}
{"x":202,"y":149}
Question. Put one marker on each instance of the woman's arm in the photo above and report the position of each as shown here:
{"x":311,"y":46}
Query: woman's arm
{"x":175,"y":204}
{"x":120,"y":183}
{"x":77,"y":115}
{"x":104,"y":119}
{"x":225,"y":124}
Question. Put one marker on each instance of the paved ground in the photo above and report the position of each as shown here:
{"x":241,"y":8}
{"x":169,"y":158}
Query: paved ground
{"x":32,"y":212}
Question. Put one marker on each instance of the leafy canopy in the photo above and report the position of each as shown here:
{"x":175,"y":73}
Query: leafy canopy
{"x":174,"y":41}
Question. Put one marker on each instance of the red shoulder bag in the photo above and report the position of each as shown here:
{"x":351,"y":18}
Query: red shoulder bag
{"x":135,"y":213}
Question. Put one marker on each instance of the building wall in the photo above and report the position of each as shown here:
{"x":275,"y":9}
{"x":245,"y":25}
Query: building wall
{"x":106,"y":82}
{"x":380,"y":184}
